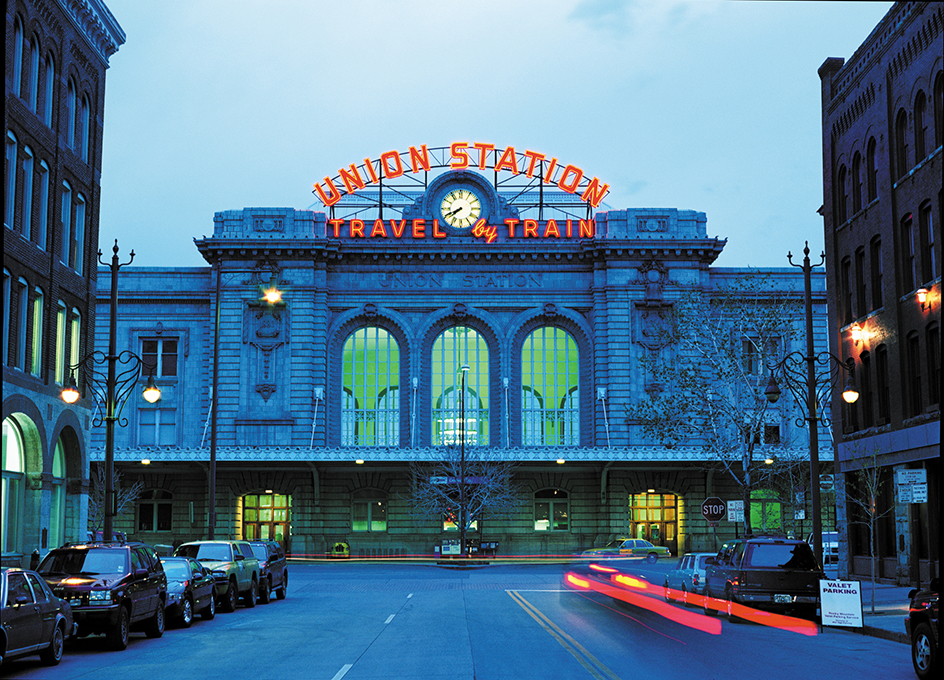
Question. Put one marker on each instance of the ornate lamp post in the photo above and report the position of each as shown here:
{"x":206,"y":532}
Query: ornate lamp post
{"x":110,"y":388}
{"x":811,"y":389}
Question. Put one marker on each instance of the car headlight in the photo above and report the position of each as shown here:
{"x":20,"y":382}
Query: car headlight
{"x":100,"y":597}
{"x":218,"y":574}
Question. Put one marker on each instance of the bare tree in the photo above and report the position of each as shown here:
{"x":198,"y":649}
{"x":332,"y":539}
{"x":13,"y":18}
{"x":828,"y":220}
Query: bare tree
{"x":705,"y":387}
{"x":436,"y":489}
{"x":126,"y":498}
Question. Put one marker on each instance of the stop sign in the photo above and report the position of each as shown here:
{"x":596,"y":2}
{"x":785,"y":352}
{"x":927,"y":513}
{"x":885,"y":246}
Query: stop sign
{"x":714,"y":509}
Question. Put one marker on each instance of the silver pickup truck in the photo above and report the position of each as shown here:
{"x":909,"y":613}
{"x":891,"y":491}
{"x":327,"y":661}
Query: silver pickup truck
{"x":234,"y":567}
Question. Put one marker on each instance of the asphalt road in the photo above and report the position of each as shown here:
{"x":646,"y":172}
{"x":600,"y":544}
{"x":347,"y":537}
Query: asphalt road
{"x":380,"y":621}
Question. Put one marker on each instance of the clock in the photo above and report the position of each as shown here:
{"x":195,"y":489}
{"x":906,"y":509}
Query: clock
{"x":460,"y":208}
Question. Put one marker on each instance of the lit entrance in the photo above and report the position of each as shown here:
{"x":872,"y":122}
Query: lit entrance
{"x":267,"y":517}
{"x":653,"y":518}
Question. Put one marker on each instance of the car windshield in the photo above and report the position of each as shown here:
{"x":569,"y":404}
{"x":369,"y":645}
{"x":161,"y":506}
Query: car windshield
{"x":207,"y":552}
{"x":91,"y":562}
{"x":178,"y":570}
{"x":780,"y":555}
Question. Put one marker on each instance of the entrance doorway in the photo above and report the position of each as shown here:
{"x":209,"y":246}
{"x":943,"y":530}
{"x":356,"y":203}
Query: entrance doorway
{"x":653,"y":517}
{"x":267,"y":516}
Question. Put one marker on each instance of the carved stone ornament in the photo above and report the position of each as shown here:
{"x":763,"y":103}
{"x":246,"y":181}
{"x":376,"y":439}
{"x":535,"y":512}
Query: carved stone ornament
{"x":653,"y":326}
{"x":460,"y":311}
{"x":652,"y":224}
{"x":266,"y":390}
{"x":265,"y":273}
{"x":370,"y":310}
{"x":550,"y":309}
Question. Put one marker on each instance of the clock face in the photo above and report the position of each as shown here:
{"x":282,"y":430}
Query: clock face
{"x":460,"y":208}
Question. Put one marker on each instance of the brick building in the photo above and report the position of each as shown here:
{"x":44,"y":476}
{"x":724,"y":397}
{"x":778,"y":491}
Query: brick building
{"x":882,"y":169}
{"x":56,"y":56}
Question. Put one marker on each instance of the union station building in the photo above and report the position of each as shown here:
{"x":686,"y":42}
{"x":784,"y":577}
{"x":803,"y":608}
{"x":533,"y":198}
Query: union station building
{"x":410,"y":267}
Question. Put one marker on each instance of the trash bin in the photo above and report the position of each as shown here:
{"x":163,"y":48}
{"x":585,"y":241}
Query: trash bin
{"x":341,"y":550}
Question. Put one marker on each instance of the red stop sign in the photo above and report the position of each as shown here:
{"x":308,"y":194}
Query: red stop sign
{"x":714,"y":509}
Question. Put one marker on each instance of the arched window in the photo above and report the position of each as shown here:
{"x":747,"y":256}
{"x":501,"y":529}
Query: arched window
{"x":875,"y":259}
{"x":11,"y":498}
{"x":908,"y":273}
{"x":913,"y":400}
{"x":36,"y":366}
{"x":866,"y":400}
{"x":933,"y":338}
{"x":26,"y":222}
{"x":155,"y":510}
{"x":856,"y":183}
{"x":7,"y":306}
{"x":32,"y":81}
{"x":75,"y":337}
{"x":66,"y":245}
{"x":57,"y":506}
{"x":901,"y":144}
{"x":17,"y":55}
{"x":10,"y":169}
{"x":939,"y":109}
{"x":551,"y":510}
{"x":871,"y":170}
{"x":70,"y":114}
{"x":550,"y":366}
{"x":370,"y":388}
{"x":50,"y":90}
{"x":881,"y":384}
{"x":44,"y":207}
{"x":22,"y":314}
{"x":455,"y":348}
{"x":61,"y":315}
{"x":842,"y":197}
{"x":921,"y":126}
{"x":85,"y":134}
{"x":369,"y":510}
{"x":79,"y":265}
{"x":926,"y":243}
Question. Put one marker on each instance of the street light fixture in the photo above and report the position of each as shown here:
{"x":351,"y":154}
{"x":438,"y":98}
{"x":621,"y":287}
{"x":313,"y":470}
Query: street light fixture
{"x":110,"y":388}
{"x":810,"y":389}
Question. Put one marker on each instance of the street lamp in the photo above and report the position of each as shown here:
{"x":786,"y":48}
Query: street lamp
{"x":817,"y":388}
{"x":110,"y":388}
{"x":463,"y":370}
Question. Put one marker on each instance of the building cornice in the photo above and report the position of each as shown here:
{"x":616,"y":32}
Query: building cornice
{"x":97,"y":24}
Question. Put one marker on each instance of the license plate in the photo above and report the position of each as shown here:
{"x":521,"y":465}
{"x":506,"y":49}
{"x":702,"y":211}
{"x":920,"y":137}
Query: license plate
{"x":783,"y":598}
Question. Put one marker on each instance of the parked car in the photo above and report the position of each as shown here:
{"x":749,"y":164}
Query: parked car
{"x":32,"y":619}
{"x":830,"y":546}
{"x":191,"y":589}
{"x":688,"y":575}
{"x":921,"y":625}
{"x":770,"y":573}
{"x":234,"y":567}
{"x":629,"y":547}
{"x":113,"y":587}
{"x":273,"y":569}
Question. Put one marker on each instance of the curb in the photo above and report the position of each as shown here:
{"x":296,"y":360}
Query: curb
{"x":892,"y":635}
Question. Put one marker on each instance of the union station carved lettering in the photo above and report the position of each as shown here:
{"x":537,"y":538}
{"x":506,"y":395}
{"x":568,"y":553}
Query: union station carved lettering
{"x":497,"y":280}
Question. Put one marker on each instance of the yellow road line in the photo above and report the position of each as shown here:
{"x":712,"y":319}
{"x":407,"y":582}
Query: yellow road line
{"x":593,"y":665}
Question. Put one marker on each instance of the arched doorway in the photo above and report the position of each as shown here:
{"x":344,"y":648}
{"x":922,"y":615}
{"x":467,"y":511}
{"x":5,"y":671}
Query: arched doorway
{"x":654,"y":517}
{"x":267,"y":516}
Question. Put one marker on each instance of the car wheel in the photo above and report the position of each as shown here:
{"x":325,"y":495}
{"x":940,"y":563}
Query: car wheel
{"x":118,"y":636}
{"x":923,"y":652}
{"x":209,"y":612}
{"x":652,"y":558}
{"x":52,"y":655}
{"x":250,"y":599}
{"x":281,"y":592}
{"x":155,"y":626}
{"x":228,"y":603}
{"x":186,"y":612}
{"x":668,"y":598}
{"x":265,"y":591}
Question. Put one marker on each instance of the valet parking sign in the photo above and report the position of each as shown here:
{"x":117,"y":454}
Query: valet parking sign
{"x":841,"y":603}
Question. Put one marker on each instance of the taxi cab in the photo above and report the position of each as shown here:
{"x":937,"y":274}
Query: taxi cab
{"x":629,"y":547}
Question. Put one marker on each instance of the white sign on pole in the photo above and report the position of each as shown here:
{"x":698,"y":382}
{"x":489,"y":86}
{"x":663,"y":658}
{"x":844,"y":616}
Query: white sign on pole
{"x":735,"y":511}
{"x":841,"y":603}
{"x":919,"y":493}
{"x":912,"y":476}
{"x":904,"y":493}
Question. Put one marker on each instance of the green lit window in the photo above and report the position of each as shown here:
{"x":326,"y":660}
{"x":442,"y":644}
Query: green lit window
{"x":370,"y":391}
{"x":368,"y":510}
{"x":550,"y":397}
{"x":455,"y":348}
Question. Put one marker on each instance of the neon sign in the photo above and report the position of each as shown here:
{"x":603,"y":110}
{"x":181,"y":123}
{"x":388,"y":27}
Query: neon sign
{"x":570,"y":179}
{"x":421,"y":229}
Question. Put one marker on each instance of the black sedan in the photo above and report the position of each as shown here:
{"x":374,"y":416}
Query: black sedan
{"x":32,"y":619}
{"x":190,"y":590}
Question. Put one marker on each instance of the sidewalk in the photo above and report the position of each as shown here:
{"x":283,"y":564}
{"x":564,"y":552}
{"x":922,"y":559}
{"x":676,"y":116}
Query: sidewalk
{"x":891,"y":609}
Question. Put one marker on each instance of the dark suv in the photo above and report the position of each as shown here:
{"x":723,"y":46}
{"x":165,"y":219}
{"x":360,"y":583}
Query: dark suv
{"x":922,"y":627}
{"x":273,"y":569}
{"x":112,"y":587}
{"x":770,"y":573}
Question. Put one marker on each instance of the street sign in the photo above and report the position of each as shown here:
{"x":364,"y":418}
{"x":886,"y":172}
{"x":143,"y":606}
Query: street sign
{"x":735,"y":511}
{"x":456,"y":480}
{"x":912,"y":476}
{"x":713,"y":509}
{"x":840,"y":603}
{"x":826,"y":482}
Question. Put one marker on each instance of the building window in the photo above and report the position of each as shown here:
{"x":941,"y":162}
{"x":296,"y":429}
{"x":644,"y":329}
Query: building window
{"x":653,"y":517}
{"x":79,"y":264}
{"x":369,"y":511}
{"x":856,"y":183}
{"x":920,"y":126}
{"x":551,"y":510}
{"x":926,"y":236}
{"x":908,"y":274}
{"x":881,"y":371}
{"x":766,"y":512}
{"x":871,"y":170}
{"x":57,"y":506}
{"x":913,"y":357}
{"x":901,"y":143}
{"x":17,"y":55}
{"x":85,"y":133}
{"x":159,"y":357}
{"x":75,"y":337}
{"x":550,"y":414}
{"x":155,"y":510}
{"x":10,"y":184}
{"x":861,"y":300}
{"x":50,"y":90}
{"x":36,"y":366}
{"x":61,"y":343}
{"x":875,"y":259}
{"x":868,"y":405}
{"x":26,"y":226}
{"x":33,"y":77}
{"x":266,"y":516}
{"x":70,"y":115}
{"x":370,"y":406}
{"x":842,"y":197}
{"x":7,"y":306}
{"x":454,"y":348}
{"x":44,"y":206}
{"x":934,"y":363}
{"x":845,"y":290}
{"x":66,"y":214}
{"x":11,"y":498}
{"x":939,"y":109}
{"x":157,"y":427}
{"x":22,"y":326}
{"x":772,"y":435}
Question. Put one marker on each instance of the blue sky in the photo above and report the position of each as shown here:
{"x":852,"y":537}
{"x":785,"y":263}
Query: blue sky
{"x":712,"y":106}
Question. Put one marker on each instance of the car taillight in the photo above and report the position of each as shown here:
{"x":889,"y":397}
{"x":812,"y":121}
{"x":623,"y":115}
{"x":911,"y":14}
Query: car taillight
{"x":695,"y":580}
